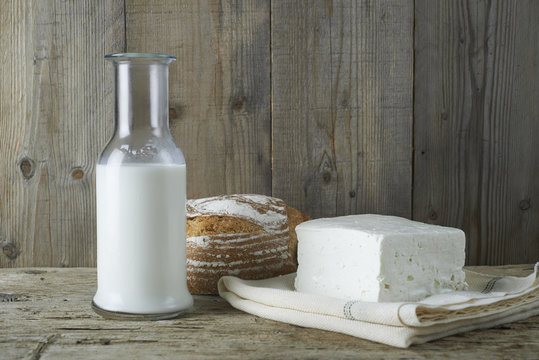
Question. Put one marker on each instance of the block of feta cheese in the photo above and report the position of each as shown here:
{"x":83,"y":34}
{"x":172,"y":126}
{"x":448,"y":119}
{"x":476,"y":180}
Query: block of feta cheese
{"x":378,"y":258}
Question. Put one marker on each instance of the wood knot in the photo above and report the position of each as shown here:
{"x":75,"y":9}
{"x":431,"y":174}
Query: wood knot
{"x":13,"y":297}
{"x":326,"y":176}
{"x":27,"y":167}
{"x":10,"y":251}
{"x":352,"y":194}
{"x":444,"y":115}
{"x":172,"y":113}
{"x":433,"y":215}
{"x":77,"y":173}
{"x":524,"y":204}
{"x":238,"y":105}
{"x":35,"y":272}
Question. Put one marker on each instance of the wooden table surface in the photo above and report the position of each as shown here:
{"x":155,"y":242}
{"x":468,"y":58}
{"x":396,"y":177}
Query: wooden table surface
{"x":46,"y":314}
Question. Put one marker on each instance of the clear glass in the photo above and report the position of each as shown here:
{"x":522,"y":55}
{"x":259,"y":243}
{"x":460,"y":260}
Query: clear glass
{"x":141,"y":194}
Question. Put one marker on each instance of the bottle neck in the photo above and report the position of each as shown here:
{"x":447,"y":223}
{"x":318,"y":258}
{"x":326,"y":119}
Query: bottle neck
{"x":141,"y":98}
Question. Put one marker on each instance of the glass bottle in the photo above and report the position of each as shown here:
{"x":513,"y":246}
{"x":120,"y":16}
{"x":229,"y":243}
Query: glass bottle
{"x":141,"y":194}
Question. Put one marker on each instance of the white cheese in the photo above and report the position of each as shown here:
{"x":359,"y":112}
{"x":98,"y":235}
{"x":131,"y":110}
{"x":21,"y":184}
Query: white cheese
{"x":378,"y":258}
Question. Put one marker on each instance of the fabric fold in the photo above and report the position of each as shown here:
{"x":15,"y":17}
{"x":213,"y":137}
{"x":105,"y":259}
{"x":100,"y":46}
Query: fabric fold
{"x":490,"y":301}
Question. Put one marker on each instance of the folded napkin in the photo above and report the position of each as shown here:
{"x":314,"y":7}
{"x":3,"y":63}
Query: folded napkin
{"x":490,"y":301}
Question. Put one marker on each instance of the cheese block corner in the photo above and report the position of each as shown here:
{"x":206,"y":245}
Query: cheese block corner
{"x":379,"y":258}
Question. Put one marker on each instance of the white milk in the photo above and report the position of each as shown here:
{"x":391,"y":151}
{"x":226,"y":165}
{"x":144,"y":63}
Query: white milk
{"x":141,"y":239}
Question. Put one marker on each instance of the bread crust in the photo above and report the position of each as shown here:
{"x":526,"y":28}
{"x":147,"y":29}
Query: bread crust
{"x":249,"y":236}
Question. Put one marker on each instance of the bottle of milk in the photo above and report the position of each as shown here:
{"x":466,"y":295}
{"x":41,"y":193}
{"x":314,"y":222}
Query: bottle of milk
{"x":140,"y":180}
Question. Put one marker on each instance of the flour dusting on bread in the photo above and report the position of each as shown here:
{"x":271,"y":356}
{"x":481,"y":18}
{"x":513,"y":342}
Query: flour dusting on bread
{"x":250,"y":236}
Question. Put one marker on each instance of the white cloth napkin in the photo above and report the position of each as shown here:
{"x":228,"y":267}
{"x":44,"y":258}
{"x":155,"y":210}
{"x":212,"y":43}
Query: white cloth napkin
{"x":490,"y":301}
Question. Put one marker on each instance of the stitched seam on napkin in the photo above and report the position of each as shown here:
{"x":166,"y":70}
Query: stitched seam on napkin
{"x":347,"y":310}
{"x":490,"y":285}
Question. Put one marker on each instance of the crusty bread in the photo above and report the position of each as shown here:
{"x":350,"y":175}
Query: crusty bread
{"x":249,"y":236}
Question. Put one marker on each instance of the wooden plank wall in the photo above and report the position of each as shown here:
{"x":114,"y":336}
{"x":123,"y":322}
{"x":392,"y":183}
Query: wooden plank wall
{"x":55,"y":107}
{"x":342,"y":106}
{"x":423,"y":109}
{"x":219,"y":87}
{"x":477,"y":124}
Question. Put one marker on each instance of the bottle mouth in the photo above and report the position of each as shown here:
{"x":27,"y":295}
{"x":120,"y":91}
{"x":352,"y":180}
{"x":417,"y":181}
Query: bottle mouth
{"x":141,"y":58}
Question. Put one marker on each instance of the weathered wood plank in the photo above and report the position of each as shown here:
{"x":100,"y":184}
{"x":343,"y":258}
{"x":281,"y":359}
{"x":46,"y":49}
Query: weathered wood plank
{"x":476,"y":130}
{"x":55,"y":116}
{"x":342,"y":106}
{"x":51,"y":318}
{"x":219,"y":87}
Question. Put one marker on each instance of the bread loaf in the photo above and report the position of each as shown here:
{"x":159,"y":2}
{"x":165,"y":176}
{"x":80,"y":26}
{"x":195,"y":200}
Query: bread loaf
{"x":249,"y":236}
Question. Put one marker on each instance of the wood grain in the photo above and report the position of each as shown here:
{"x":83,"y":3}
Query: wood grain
{"x":50,"y":317}
{"x":342,"y":106}
{"x":476,"y":130}
{"x":56,"y":108}
{"x":219,"y":87}
{"x":311,"y":101}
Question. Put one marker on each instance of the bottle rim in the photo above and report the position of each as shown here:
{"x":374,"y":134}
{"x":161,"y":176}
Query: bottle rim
{"x":141,"y":56}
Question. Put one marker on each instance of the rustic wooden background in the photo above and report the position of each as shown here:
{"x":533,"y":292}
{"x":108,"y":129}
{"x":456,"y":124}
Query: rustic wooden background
{"x":423,"y":109}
